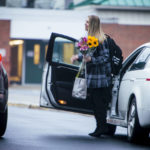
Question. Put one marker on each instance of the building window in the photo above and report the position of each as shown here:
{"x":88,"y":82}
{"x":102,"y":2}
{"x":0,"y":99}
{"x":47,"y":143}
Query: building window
{"x":36,"y":54}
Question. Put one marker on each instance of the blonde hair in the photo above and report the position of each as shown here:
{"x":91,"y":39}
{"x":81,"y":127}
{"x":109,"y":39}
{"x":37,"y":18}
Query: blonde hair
{"x":95,"y":28}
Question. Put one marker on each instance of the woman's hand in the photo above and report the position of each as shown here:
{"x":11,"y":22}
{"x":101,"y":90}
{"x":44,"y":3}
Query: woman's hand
{"x":87,"y":58}
{"x":74,"y":58}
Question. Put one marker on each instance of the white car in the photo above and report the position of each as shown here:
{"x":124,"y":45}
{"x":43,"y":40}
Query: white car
{"x":130,"y":105}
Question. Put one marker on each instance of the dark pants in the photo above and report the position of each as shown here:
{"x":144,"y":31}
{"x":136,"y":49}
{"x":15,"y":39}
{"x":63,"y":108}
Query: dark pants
{"x":100,"y":98}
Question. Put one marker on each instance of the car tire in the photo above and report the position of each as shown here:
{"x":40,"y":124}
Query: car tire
{"x":3,"y":122}
{"x":111,"y":129}
{"x":134,"y":131}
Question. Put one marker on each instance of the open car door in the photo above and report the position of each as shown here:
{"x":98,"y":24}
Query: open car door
{"x":59,"y":75}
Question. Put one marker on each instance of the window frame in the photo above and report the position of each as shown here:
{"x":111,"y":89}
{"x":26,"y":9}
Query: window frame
{"x":51,"y":48}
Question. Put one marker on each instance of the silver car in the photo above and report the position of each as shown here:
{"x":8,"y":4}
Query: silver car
{"x":130,"y":105}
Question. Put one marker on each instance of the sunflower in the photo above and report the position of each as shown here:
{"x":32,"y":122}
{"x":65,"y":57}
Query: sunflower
{"x":95,"y":42}
{"x":90,"y":43}
{"x":89,"y":38}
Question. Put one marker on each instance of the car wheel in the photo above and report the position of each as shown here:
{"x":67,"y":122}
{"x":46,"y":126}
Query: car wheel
{"x":3,"y":122}
{"x":111,"y":129}
{"x":135,"y":132}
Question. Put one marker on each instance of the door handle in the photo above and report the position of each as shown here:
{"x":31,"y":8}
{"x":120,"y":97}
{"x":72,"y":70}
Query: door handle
{"x":132,"y":79}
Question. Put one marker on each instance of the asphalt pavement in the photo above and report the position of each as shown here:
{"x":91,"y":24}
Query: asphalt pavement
{"x":29,"y":96}
{"x":36,"y":129}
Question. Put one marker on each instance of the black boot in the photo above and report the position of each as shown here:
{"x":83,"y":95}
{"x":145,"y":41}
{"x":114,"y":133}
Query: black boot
{"x":98,"y":132}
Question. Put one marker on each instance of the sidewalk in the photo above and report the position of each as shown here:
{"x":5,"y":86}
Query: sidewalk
{"x":24,"y":95}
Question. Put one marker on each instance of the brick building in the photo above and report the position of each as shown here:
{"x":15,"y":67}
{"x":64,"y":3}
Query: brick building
{"x":128,"y":37}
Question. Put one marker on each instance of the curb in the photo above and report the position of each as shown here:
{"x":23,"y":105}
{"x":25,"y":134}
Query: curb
{"x":43,"y":108}
{"x":28,"y":106}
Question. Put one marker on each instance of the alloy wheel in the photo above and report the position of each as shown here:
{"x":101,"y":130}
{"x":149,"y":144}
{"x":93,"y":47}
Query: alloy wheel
{"x":131,"y":120}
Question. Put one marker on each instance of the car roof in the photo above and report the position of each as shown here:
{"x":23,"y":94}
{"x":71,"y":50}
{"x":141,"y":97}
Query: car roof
{"x":145,"y":44}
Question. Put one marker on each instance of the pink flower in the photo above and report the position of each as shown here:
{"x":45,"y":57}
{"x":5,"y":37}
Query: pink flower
{"x":84,"y":39}
{"x":82,"y":49}
{"x":79,"y":44}
{"x":86,"y":47}
{"x":83,"y":45}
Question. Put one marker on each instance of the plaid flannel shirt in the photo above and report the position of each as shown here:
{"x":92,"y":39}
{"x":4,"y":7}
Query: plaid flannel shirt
{"x":99,"y":68}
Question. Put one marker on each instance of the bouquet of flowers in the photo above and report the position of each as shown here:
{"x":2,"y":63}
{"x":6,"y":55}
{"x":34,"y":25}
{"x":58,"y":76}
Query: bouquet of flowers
{"x":87,"y":45}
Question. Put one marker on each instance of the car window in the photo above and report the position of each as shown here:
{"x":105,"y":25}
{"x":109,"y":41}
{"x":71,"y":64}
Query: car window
{"x":63,"y":50}
{"x":148,"y":61}
{"x":141,"y":60}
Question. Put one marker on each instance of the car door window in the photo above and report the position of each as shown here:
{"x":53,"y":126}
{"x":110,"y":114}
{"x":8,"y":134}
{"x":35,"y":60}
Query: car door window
{"x":141,"y":60}
{"x":63,"y":50}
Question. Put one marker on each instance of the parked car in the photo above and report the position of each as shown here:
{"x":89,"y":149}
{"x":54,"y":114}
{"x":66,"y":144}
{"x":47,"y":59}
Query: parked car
{"x":130,"y":105}
{"x":3,"y":98}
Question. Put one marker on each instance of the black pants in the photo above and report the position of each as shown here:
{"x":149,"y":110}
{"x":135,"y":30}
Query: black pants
{"x":100,"y":98}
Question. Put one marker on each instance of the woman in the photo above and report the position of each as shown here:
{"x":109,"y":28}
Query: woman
{"x":98,"y":74}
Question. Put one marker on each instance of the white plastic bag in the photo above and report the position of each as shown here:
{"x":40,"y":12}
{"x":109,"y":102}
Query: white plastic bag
{"x":80,"y":84}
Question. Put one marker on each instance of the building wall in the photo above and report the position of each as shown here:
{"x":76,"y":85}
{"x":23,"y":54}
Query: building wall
{"x":4,"y":43}
{"x":128,"y":37}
